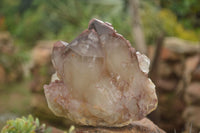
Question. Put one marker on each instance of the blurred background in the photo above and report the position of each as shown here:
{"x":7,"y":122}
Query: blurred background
{"x":168,"y":31}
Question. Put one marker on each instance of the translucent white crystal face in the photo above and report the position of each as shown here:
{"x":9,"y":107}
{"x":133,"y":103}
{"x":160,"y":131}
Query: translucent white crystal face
{"x":102,"y":80}
{"x":80,"y":72}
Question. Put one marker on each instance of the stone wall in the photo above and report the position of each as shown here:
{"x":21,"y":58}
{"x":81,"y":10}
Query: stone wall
{"x":178,"y":85}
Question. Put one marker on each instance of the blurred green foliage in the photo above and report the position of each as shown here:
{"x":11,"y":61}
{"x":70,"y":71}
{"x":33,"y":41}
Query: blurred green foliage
{"x":32,"y":20}
{"x":174,"y":28}
{"x":28,"y":125}
{"x":156,"y":21}
{"x":187,"y":11}
{"x":24,"y":125}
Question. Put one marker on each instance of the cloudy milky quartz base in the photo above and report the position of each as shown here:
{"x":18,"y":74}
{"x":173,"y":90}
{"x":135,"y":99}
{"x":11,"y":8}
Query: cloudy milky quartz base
{"x":100,"y":79}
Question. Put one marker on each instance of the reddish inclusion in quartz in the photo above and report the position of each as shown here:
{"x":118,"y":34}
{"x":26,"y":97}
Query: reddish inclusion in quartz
{"x":101,"y":79}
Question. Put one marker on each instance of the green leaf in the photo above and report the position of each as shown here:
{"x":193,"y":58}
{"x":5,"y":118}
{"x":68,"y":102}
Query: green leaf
{"x":22,"y":125}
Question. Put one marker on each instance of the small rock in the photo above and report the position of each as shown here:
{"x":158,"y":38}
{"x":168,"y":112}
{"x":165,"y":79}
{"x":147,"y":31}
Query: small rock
{"x":191,"y":63}
{"x":191,"y":115}
{"x":164,"y":70}
{"x":181,"y":46}
{"x":168,"y":54}
{"x":41,"y":53}
{"x":196,"y":73}
{"x":166,"y":84}
{"x":192,"y":95}
{"x":177,"y":69}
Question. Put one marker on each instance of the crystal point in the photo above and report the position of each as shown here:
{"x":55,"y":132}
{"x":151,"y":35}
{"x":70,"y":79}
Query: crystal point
{"x":101,"y":80}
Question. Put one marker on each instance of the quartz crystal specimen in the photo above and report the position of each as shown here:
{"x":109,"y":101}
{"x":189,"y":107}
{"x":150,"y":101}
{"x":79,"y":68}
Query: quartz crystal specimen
{"x":100,"y":79}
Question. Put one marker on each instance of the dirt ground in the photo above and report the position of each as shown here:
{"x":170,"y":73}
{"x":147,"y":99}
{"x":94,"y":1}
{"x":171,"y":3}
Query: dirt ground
{"x":14,"y":101}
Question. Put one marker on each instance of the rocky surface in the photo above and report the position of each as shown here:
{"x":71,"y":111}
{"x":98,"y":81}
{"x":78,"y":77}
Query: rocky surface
{"x":192,"y":97}
{"x":101,"y":80}
{"x":142,"y":126}
{"x":177,"y":84}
